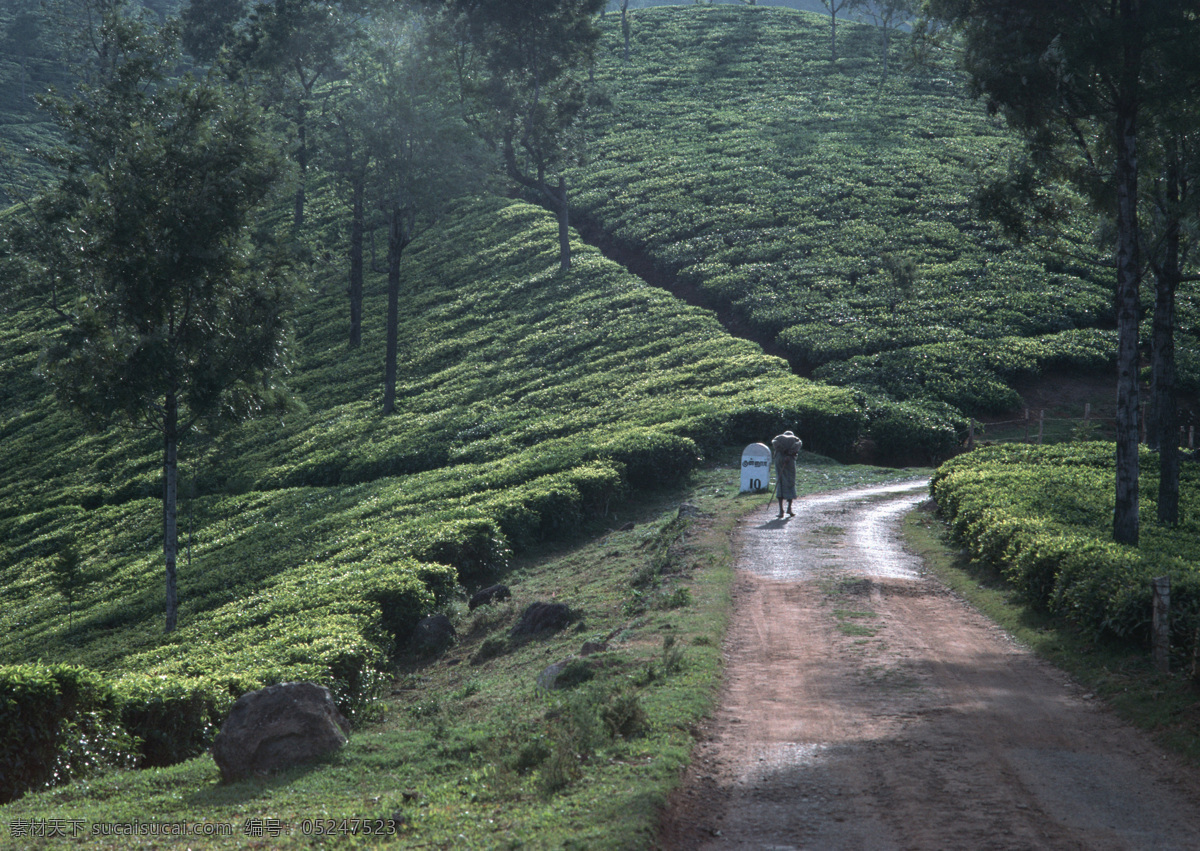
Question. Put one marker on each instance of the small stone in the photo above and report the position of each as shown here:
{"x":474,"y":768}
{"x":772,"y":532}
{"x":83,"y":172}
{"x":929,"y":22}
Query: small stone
{"x":487,"y":596}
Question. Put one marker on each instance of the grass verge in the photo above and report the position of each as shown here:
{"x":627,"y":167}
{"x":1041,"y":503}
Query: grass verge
{"x":1167,"y":706}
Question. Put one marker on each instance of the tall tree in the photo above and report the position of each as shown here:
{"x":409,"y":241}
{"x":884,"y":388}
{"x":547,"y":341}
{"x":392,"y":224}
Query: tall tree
{"x":833,"y":7}
{"x":889,"y":16}
{"x":168,"y":312}
{"x":208,"y":26}
{"x":346,"y":127}
{"x":522,"y":91}
{"x":1085,"y":71}
{"x":395,"y":135}
{"x":297,"y":45}
{"x":626,"y":28}
{"x":1172,"y":205}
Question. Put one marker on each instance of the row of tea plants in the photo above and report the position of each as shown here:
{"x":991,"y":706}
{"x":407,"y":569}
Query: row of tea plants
{"x":529,"y":402}
{"x":1042,"y":516}
{"x":836,"y":216}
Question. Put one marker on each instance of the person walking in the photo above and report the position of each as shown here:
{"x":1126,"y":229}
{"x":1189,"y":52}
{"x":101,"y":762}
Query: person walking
{"x":784,"y":449}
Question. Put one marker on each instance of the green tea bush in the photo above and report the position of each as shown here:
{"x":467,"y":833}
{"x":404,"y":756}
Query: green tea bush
{"x":650,"y":458}
{"x":57,"y":722}
{"x":1042,"y":516}
{"x":906,"y":430}
{"x":973,"y":375}
{"x":174,"y":718}
{"x":476,"y":548}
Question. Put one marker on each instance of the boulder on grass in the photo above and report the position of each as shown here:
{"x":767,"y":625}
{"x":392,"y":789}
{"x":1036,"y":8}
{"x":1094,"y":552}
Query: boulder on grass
{"x":278,"y":727}
{"x":433,"y":634}
{"x":543,"y":617}
{"x":590,"y":647}
{"x":486,"y":596}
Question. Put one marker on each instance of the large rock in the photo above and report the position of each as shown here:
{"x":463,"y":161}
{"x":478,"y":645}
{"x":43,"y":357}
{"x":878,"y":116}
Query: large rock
{"x":277,"y":727}
{"x":487,"y":596}
{"x":433,"y":634}
{"x":541,"y":617}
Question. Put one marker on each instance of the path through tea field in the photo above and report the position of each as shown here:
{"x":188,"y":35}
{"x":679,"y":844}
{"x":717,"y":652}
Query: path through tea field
{"x":868,"y":707}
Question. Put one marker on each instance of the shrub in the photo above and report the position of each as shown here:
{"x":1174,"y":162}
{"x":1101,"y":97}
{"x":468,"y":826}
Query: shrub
{"x":651,"y":458}
{"x":624,"y":715}
{"x":913,"y":433}
{"x":57,"y":722}
{"x":174,"y":718}
{"x":405,"y":595}
{"x":475,"y":547}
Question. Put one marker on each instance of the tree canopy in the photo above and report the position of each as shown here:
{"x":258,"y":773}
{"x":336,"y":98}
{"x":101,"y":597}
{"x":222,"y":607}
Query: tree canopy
{"x":1085,"y":81}
{"x":171,"y":312}
{"x":522,"y":89}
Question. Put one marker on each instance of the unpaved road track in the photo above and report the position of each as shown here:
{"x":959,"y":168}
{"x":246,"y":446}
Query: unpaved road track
{"x":867,"y":707}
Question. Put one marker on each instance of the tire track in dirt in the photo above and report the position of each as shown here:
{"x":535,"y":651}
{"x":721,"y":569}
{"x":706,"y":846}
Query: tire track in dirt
{"x":867,"y":707}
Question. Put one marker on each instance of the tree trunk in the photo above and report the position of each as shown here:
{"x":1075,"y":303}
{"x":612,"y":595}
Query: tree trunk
{"x":1125,"y":510}
{"x":302,"y":164}
{"x":1165,"y":420}
{"x":398,"y":240}
{"x":558,"y":199}
{"x":170,"y":529}
{"x":832,"y":34}
{"x":625,"y":28}
{"x":887,"y":49}
{"x":356,"y":263}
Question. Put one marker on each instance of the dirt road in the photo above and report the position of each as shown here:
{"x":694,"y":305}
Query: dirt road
{"x":867,"y":707}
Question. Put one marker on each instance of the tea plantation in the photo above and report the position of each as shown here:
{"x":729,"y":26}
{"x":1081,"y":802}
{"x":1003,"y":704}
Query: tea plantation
{"x":529,"y":403}
{"x":830,"y":213}
{"x":834,"y":213}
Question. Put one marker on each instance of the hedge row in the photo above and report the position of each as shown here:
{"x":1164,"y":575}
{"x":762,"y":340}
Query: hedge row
{"x":1042,"y":515}
{"x":830,"y":213}
{"x":60,"y":722}
{"x":973,"y":375}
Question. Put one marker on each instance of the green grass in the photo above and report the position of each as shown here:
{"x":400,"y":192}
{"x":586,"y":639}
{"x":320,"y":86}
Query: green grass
{"x":1120,"y":674}
{"x":849,"y":622}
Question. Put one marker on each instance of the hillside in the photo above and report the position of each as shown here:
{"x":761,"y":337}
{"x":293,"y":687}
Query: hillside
{"x":832,"y":212}
{"x":830,"y":215}
{"x":532,"y":404}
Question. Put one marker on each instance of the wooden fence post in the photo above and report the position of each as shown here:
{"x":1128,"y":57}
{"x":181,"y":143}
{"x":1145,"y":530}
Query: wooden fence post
{"x":1026,"y":425}
{"x":1162,"y":624}
{"x":1041,"y":425}
{"x":971,"y":434}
